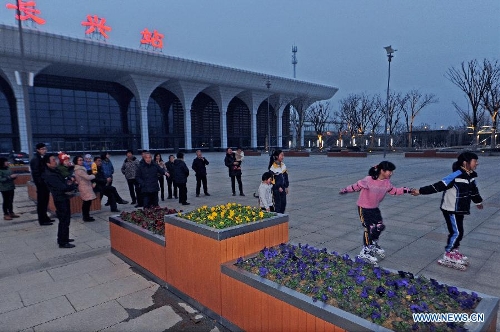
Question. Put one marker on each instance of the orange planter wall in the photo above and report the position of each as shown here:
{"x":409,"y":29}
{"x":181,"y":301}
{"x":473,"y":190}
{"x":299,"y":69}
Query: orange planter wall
{"x":193,"y":260}
{"x":141,"y":250}
{"x":252,"y":310}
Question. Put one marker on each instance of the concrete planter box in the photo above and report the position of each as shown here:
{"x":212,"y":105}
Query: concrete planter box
{"x":257,"y":304}
{"x":431,"y":154}
{"x":188,"y":259}
{"x":23,"y":174}
{"x":346,"y":154}
{"x":75,"y":201}
{"x":297,"y":153}
{"x":136,"y":244}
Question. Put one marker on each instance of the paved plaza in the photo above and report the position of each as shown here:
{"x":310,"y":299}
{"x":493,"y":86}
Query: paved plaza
{"x":45,"y":288}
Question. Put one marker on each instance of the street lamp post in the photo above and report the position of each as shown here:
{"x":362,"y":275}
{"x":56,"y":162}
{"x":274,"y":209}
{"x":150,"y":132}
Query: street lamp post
{"x":268,"y":84}
{"x":389,"y":51}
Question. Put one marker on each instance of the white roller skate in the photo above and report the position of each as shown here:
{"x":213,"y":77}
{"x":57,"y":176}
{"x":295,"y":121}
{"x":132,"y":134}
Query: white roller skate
{"x":377,"y":250}
{"x":367,"y":255}
{"x":464,"y":258}
{"x":451,"y":260}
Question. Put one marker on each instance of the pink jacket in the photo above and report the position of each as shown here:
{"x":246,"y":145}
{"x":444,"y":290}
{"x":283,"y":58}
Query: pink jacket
{"x":372,"y":192}
{"x":84,"y":184}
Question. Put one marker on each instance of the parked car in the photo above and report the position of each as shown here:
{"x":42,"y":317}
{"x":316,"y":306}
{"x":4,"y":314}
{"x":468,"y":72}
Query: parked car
{"x":19,"y":158}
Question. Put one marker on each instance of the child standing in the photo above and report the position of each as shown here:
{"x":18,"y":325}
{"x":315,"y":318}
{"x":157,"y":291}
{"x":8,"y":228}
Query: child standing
{"x":459,"y":189}
{"x":7,"y":187}
{"x":373,"y":189}
{"x":265,"y":193}
{"x":280,"y":185}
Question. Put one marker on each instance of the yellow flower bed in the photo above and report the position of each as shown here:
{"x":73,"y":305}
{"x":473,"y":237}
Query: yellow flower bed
{"x":228,"y":215}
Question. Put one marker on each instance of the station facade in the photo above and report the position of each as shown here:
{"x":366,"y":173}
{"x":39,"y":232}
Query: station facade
{"x":86,"y":95}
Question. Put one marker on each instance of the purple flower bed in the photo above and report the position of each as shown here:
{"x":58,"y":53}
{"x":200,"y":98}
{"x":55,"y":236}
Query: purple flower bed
{"x":151,"y":219}
{"x":373,"y":293}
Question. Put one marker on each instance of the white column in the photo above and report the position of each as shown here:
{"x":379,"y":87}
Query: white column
{"x":223,"y":126}
{"x":144,"y":125}
{"x":279,"y":143}
{"x":187,"y":128}
{"x":253,"y":135}
{"x":22,"y":125}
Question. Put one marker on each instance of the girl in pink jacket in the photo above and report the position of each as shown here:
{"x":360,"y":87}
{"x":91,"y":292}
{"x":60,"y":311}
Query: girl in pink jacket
{"x":373,"y":189}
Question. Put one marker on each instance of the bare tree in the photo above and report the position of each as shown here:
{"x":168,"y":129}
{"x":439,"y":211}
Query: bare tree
{"x":375,"y":117}
{"x":298,"y":111}
{"x":319,"y":115}
{"x":491,"y":97}
{"x":355,"y":112}
{"x":471,"y":79}
{"x":412,"y":104}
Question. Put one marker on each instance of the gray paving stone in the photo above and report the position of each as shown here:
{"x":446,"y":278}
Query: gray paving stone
{"x":156,"y":320}
{"x":95,"y":318}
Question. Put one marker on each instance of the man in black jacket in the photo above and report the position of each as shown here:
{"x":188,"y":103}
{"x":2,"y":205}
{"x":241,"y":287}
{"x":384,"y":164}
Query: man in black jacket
{"x":181,"y":173}
{"x":200,"y":168}
{"x":37,"y":167}
{"x":147,"y":178}
{"x":103,"y":185}
{"x":59,"y":187}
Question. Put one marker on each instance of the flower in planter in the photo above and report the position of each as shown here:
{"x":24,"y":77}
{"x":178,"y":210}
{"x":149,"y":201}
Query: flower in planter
{"x":226,"y":215}
{"x":373,"y":293}
{"x":150,"y":219}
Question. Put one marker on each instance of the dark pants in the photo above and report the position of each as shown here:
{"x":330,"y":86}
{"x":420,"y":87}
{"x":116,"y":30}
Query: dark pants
{"x":86,"y":209}
{"x":455,"y":224}
{"x":8,"y":200}
{"x":182,"y":192}
{"x":279,"y":200}
{"x":240,"y":184}
{"x":133,"y":189}
{"x":112,"y":194}
{"x":150,"y":199}
{"x":161,"y":181}
{"x":170,"y":184}
{"x":199,"y":180}
{"x":63,"y":213}
{"x":371,"y":219}
{"x":42,"y":201}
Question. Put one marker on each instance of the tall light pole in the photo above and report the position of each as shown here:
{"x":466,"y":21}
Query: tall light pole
{"x":389,"y":51}
{"x":268,"y":84}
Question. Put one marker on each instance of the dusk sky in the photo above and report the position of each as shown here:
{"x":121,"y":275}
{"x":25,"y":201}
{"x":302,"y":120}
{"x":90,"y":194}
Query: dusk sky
{"x":340,"y":43}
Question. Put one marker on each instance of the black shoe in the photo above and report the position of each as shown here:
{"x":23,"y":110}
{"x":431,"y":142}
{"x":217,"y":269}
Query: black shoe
{"x":71,"y":240}
{"x":67,"y":245}
{"x":45,"y":223}
{"x":186,"y":203}
{"x":133,"y":202}
{"x":138,"y":206}
{"x":51,"y":220}
{"x":88,"y":219}
{"x":242,"y":194}
{"x":115,"y":210}
{"x":122,"y":202}
{"x":169,"y":197}
{"x":176,"y":197}
{"x":234,"y":194}
{"x":207,"y":194}
{"x":197,"y":195}
{"x":107,"y":204}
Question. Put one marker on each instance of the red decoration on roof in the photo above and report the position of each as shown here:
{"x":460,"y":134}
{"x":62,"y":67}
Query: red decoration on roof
{"x":153,"y":39}
{"x":96,"y":26}
{"x":28,"y":11}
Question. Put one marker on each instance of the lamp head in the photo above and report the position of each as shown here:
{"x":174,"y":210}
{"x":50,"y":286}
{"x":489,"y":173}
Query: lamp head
{"x":389,"y":50}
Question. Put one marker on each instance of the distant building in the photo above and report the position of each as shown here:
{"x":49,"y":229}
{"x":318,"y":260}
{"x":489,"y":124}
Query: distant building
{"x":88,"y":95}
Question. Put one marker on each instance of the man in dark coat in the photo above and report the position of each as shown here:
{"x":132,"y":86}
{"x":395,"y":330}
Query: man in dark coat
{"x":59,"y":187}
{"x":37,"y":167}
{"x":234,"y":168}
{"x":147,"y":178}
{"x":181,"y":173}
{"x":200,"y":168}
{"x":103,"y":185}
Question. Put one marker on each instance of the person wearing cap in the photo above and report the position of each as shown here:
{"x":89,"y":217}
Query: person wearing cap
{"x":66,"y":167}
{"x":42,"y":191}
{"x":87,"y":163}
